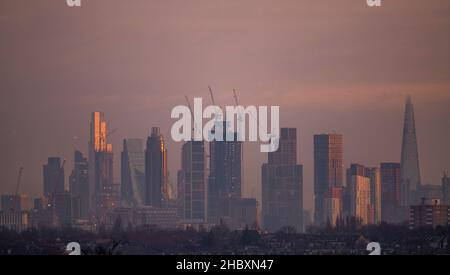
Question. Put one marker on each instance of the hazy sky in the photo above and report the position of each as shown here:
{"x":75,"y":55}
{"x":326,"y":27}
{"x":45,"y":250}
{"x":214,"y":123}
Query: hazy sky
{"x":332,"y":66}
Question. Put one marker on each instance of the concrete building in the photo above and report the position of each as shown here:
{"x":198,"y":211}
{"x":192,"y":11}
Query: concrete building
{"x":14,"y":220}
{"x":328,"y":175}
{"x":429,"y":213}
{"x":282,"y":185}
{"x":225,"y":176}
{"x":15,"y":203}
{"x":191,"y":183}
{"x":445,"y":189}
{"x":390,"y":192}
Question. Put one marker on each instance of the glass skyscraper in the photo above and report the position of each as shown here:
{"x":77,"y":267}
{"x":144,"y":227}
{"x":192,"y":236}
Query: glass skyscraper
{"x":328,"y":176}
{"x":156,"y":177}
{"x":133,"y":173}
{"x":410,"y":170}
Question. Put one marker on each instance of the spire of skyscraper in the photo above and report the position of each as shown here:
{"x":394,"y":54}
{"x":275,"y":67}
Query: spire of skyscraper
{"x":410,"y":170}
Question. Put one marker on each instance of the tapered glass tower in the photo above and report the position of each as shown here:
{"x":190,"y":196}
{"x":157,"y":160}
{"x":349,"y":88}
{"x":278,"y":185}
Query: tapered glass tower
{"x":409,"y":170}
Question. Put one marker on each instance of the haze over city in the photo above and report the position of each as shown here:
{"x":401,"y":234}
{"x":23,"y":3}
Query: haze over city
{"x":135,"y":61}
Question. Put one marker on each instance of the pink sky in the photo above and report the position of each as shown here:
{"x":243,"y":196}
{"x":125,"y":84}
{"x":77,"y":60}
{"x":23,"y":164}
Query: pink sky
{"x":331,"y":66}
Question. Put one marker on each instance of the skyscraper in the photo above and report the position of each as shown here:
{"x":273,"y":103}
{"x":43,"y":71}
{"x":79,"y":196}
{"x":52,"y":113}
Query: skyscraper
{"x":328,"y":175}
{"x":53,"y":176}
{"x":101,"y":187}
{"x":445,"y":189}
{"x":79,"y":186}
{"x":133,"y":190}
{"x":191,"y":182}
{"x":224,"y":180}
{"x":156,"y":181}
{"x":375,"y":193}
{"x":282,"y":185}
{"x":410,"y":170}
{"x":390,"y":192}
{"x":358,"y":184}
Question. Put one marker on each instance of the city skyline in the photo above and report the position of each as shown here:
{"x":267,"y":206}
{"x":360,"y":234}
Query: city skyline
{"x":104,"y":134}
{"x":319,"y":89}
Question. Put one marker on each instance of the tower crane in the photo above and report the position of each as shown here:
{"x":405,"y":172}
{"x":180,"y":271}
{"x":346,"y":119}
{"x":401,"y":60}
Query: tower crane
{"x":236,"y":102}
{"x":192,"y":116}
{"x":19,"y":177}
{"x":15,"y":200}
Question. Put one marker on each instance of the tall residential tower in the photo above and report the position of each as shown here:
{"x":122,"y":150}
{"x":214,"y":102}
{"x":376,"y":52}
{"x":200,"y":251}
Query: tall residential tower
{"x":282,"y":185}
{"x":328,"y":177}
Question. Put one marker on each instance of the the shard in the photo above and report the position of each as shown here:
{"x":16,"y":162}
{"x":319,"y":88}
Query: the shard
{"x":409,"y":171}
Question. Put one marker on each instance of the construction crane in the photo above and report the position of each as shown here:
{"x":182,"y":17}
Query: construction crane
{"x":15,"y":200}
{"x":218,"y":117}
{"x":236,"y":102}
{"x":192,"y":116}
{"x":212,"y":95}
{"x":19,"y":177}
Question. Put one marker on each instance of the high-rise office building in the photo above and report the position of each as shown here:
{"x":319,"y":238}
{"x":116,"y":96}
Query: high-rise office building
{"x":191,"y":183}
{"x":328,"y":175}
{"x":390,"y":192}
{"x":79,"y":186}
{"x":375,"y":193}
{"x":102,"y":192}
{"x":282,"y":185}
{"x":410,"y":169}
{"x":53,"y":176}
{"x":224,"y":182}
{"x":358,"y":184}
{"x":156,"y":180}
{"x":445,"y":189}
{"x":133,"y":189}
{"x":333,"y":205}
{"x":62,"y":211}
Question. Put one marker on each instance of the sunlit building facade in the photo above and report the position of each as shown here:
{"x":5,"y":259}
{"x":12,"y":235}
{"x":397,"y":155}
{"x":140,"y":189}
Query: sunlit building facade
{"x":101,"y":188}
{"x":328,"y":174}
{"x":358,"y":184}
